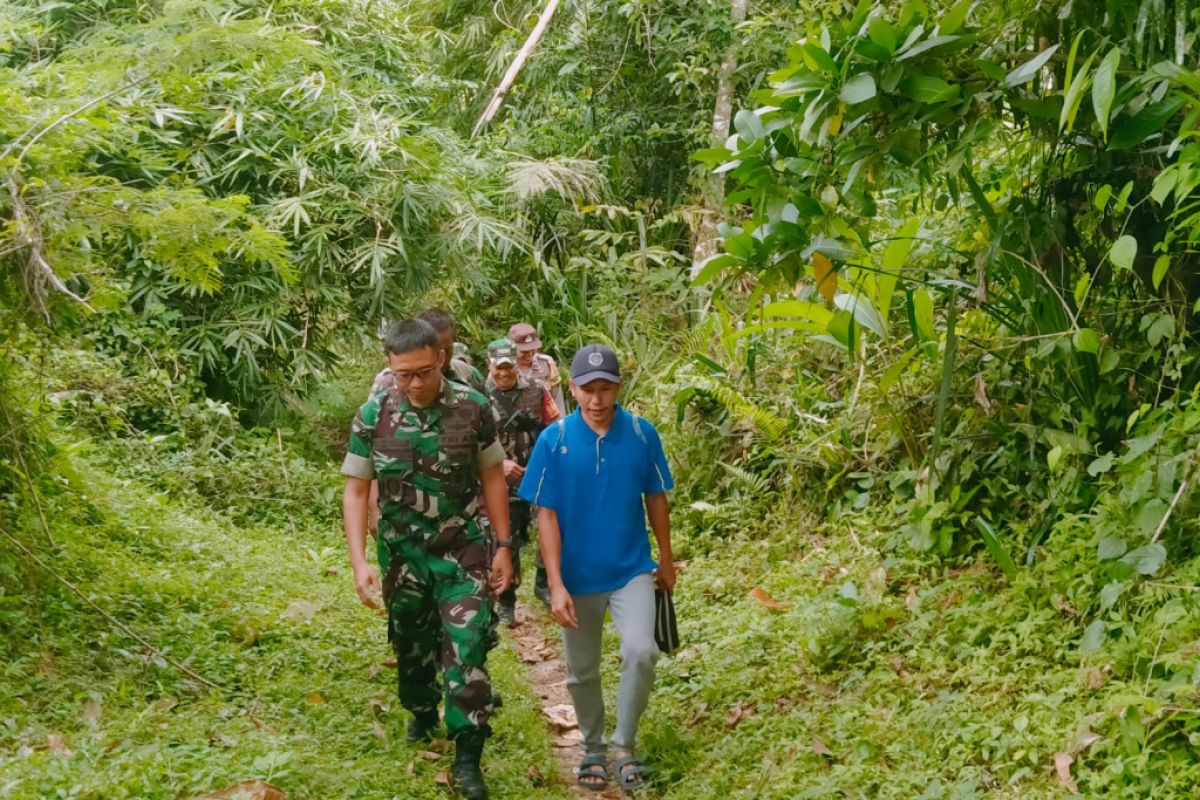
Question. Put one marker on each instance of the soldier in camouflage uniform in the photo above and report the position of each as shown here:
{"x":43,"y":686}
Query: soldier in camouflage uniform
{"x":522,"y":408}
{"x":538,"y":367}
{"x":455,"y":367}
{"x":431,"y":444}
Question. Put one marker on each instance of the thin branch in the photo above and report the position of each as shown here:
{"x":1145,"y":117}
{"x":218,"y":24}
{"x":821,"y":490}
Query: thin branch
{"x":1162,"y":523}
{"x":514,"y":69}
{"x":70,"y":114}
{"x":118,"y":623}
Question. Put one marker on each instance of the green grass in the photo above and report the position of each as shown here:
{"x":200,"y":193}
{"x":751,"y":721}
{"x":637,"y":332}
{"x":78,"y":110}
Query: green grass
{"x":890,"y":678}
{"x":304,"y":704}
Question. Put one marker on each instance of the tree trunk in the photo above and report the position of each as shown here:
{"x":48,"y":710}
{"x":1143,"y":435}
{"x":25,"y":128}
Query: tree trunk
{"x":514,"y":69}
{"x":705,"y":244}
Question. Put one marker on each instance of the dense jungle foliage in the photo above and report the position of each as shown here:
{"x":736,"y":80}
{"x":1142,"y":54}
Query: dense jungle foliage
{"x":932,"y":406}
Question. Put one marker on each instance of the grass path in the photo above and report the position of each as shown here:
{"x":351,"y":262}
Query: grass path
{"x":267,"y":613}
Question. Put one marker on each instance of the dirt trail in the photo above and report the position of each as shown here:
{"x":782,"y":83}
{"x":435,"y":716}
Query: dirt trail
{"x":539,"y":650}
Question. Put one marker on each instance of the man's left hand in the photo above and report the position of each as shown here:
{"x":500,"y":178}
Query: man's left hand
{"x":502,"y":571}
{"x":665,"y":576}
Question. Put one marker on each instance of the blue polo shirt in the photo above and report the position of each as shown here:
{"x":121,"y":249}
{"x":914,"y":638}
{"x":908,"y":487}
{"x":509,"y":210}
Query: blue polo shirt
{"x":596,"y":485}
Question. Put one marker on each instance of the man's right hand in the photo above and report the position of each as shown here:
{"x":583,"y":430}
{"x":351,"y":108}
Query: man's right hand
{"x":367,"y":585}
{"x":513,"y":471}
{"x":562,"y":607}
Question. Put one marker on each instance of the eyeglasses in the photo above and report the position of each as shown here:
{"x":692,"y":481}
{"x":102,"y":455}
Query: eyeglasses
{"x":405,"y":378}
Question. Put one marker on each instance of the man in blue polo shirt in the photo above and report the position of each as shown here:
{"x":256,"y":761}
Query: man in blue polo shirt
{"x":596,"y":476}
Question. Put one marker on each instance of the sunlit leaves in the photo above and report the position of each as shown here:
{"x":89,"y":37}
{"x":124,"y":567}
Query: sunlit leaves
{"x":1104,"y":89}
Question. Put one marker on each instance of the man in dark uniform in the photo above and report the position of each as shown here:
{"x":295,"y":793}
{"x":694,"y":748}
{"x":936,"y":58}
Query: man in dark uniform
{"x":431,"y":445}
{"x":522,"y":408}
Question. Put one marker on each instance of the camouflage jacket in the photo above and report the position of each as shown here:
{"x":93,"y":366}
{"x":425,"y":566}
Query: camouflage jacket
{"x":427,"y":460}
{"x":545,"y":372}
{"x":519,"y":418}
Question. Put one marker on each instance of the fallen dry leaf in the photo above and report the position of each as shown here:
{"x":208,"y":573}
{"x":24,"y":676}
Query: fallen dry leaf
{"x":819,"y":747}
{"x":378,"y":730}
{"x":697,"y":715}
{"x":315,"y":699}
{"x":247,"y":790}
{"x":220,"y":740}
{"x":824,"y":275}
{"x":1062,"y":766}
{"x":429,"y":755}
{"x":301,"y":611}
{"x":737,"y":713}
{"x":443,"y":778}
{"x":910,"y":601}
{"x":57,"y":746}
{"x":1096,"y":678}
{"x":91,"y":712}
{"x":561,"y":716}
{"x":165,"y":704}
{"x":535,"y":776}
{"x":760,"y":594}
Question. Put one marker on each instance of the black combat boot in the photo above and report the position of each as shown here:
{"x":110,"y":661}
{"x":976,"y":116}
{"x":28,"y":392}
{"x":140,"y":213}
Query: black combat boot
{"x":541,"y":587}
{"x":468,"y":777}
{"x":421,"y":727}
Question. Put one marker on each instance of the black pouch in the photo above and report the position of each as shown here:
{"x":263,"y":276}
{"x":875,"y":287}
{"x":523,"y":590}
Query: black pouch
{"x":666,"y":633}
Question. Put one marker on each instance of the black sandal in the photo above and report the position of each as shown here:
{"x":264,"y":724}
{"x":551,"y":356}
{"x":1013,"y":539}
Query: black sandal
{"x":593,"y":773}
{"x":629,"y":771}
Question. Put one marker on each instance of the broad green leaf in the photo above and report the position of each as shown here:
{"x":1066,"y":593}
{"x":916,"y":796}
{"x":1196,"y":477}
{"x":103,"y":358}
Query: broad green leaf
{"x":927,"y":89}
{"x":894,"y":372}
{"x":925,"y":46}
{"x":1123,"y":252}
{"x":882,"y":33}
{"x":843,"y":329}
{"x":1164,"y":184}
{"x":997,"y":548}
{"x":1146,"y":560}
{"x":1123,"y":198}
{"x":818,"y":58}
{"x":1100,"y":465}
{"x":1150,"y":120}
{"x":1110,"y":594}
{"x":863,"y":311}
{"x":1161,"y":266}
{"x":893,"y":261}
{"x":858,"y":89}
{"x":953,"y":19}
{"x":1104,"y":89}
{"x":1093,"y":638}
{"x":1100,"y":201}
{"x":712,"y":155}
{"x":1073,"y":97}
{"x":798,"y":308}
{"x":749,"y":126}
{"x":1150,"y":515}
{"x":1111,"y":547}
{"x":922,"y":309}
{"x":1085,"y":341}
{"x":1027,"y":71}
{"x":1161,"y":328}
{"x":1053,"y":457}
{"x":713,"y":267}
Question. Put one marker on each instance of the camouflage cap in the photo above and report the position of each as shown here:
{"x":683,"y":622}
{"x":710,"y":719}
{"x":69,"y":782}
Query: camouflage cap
{"x":501,"y":351}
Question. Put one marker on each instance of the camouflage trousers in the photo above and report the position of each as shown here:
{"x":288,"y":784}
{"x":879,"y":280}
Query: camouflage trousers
{"x":438,"y":605}
{"x":518,"y":520}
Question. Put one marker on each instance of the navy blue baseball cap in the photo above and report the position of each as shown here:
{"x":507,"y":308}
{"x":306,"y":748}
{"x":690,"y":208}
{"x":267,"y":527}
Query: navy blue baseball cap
{"x":595,"y":362}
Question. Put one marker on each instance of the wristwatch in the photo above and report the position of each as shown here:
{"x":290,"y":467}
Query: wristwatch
{"x":504,"y":543}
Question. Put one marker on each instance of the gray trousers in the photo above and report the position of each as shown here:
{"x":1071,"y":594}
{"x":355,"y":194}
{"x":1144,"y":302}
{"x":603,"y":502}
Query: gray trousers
{"x":632,"y":608}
